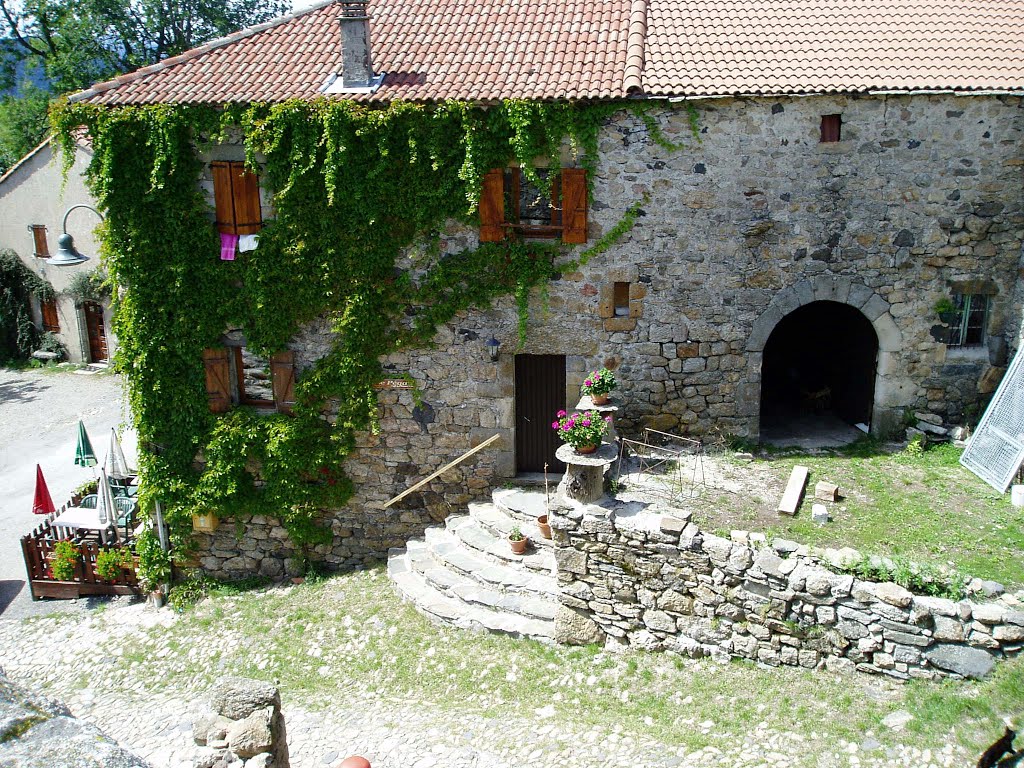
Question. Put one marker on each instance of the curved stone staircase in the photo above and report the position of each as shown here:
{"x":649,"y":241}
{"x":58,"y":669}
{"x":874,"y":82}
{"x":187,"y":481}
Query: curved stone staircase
{"x":465,"y":574}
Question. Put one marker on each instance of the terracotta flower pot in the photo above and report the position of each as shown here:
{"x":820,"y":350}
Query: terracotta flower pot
{"x":545,"y":527}
{"x":599,"y":399}
{"x":585,"y":449}
{"x":518,"y":545}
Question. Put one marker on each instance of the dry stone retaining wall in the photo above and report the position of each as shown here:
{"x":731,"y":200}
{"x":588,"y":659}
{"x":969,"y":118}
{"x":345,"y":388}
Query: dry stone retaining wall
{"x":660,"y":583}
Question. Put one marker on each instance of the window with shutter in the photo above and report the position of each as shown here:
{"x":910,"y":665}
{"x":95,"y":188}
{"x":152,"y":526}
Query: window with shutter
{"x":831,"y":128}
{"x":282,"y":374}
{"x":218,"y":379}
{"x":51,"y":322}
{"x":236,"y":376}
{"x":236,"y":197}
{"x":511,"y":204}
{"x":40,"y":247}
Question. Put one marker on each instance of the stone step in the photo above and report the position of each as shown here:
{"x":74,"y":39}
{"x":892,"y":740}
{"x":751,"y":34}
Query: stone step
{"x":453,"y":584}
{"x":487,"y":545}
{"x":499,"y":524}
{"x":453,"y":611}
{"x":522,"y":503}
{"x":449,"y":552}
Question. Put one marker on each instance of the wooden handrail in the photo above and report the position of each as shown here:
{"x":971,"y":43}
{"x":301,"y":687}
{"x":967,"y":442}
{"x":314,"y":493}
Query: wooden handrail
{"x":442,"y":470}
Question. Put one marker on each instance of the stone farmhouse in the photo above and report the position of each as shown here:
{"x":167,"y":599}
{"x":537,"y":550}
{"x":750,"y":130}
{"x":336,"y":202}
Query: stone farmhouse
{"x":845,"y":237}
{"x":35,"y":203}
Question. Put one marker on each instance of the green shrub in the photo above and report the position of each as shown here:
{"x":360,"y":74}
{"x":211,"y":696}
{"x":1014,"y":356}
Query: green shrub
{"x":65,"y":558}
{"x":110,"y":563}
{"x":154,"y":563}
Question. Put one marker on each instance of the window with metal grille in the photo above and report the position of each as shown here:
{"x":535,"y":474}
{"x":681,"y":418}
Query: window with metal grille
{"x":969,"y":320}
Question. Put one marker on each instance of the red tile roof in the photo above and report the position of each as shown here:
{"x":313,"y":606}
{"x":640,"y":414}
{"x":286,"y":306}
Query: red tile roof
{"x":485,"y":50}
{"x":720,"y":47}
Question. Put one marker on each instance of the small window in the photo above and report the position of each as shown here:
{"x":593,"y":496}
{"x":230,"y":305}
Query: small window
{"x":255,"y":383}
{"x":512,"y":205}
{"x":831,"y":128}
{"x":39,"y":244}
{"x":621,"y":299}
{"x":51,"y":323}
{"x":969,"y":321}
{"x":236,"y":196}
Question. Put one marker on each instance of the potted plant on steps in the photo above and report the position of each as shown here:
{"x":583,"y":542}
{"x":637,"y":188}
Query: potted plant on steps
{"x":583,"y":431}
{"x":598,"y":385}
{"x":517,"y":540}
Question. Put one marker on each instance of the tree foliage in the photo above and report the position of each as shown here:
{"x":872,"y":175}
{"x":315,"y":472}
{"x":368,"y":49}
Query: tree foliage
{"x":84,"y":41}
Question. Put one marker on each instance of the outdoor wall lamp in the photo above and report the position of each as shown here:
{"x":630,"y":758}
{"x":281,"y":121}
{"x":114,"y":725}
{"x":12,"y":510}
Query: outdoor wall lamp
{"x":493,"y":348}
{"x":67,"y":255}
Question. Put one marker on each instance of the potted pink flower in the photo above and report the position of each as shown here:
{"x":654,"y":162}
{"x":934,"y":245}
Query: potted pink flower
{"x":598,"y":385}
{"x":583,"y":431}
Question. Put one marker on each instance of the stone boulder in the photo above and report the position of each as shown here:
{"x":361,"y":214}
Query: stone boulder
{"x":38,"y":733}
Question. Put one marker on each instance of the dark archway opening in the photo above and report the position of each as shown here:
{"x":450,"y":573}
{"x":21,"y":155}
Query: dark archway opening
{"x":819,"y":364}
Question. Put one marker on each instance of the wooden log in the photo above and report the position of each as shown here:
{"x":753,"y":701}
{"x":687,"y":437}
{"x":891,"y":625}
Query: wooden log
{"x":826,"y":491}
{"x":583,"y":482}
{"x":794,"y":490}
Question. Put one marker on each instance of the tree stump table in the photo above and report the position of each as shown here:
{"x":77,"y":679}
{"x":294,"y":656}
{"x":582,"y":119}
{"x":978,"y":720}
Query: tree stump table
{"x":584,"y":473}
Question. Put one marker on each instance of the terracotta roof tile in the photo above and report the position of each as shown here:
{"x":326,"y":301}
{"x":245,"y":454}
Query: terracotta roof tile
{"x":485,"y":50}
{"x":722,"y":47}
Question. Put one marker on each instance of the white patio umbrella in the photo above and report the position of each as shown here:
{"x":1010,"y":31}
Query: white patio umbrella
{"x":115,"y":463}
{"x":105,"y":509}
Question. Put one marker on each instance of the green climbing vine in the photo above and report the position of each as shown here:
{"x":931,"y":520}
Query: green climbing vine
{"x":361,"y":197}
{"x":18,"y":334}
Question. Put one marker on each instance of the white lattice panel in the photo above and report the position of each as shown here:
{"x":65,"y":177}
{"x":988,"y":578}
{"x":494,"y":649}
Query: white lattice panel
{"x":996,"y":450}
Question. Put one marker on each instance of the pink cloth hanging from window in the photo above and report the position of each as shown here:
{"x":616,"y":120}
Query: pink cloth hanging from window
{"x":228,"y":243}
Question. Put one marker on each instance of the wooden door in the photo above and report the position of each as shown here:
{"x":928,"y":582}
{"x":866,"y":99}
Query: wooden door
{"x":540,"y":394}
{"x":96,"y":331}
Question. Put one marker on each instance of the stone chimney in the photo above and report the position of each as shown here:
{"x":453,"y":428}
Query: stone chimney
{"x":356,"y":66}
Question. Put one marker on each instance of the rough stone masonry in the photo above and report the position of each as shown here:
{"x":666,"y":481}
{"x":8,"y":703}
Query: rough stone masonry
{"x":660,"y":583}
{"x":922,"y":197}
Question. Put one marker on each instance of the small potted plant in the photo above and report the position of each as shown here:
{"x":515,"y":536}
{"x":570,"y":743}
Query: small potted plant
{"x":598,"y":384}
{"x":64,"y":561}
{"x":517,"y":540}
{"x":946,"y":310}
{"x":583,"y":431}
{"x":111,"y":563}
{"x":544,"y":526}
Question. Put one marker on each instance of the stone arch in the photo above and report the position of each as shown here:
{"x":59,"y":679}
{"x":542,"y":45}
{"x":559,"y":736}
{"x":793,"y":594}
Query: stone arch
{"x":886,"y":411}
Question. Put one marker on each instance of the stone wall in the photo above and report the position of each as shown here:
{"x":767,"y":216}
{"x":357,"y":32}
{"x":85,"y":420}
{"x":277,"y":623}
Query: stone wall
{"x":924,"y":195}
{"x":660,"y":583}
{"x":245,"y":727}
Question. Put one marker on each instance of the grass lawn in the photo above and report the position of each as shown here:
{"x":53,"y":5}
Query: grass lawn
{"x":924,"y":507}
{"x":349,"y":637}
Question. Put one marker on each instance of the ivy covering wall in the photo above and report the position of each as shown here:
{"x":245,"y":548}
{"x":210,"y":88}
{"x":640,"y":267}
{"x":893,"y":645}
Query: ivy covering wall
{"x":353,"y":189}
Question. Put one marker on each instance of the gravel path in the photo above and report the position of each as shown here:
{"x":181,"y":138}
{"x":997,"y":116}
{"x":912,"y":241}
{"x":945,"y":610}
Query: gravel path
{"x":39,"y":413}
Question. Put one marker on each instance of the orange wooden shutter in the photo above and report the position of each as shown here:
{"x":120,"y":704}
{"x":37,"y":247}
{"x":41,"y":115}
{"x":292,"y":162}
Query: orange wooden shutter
{"x":51,"y":322}
{"x":492,"y":207}
{"x":218,"y":379}
{"x":39,"y":240}
{"x":282,"y":376}
{"x":222,"y":197}
{"x":245,"y":189}
{"x":574,"y":205}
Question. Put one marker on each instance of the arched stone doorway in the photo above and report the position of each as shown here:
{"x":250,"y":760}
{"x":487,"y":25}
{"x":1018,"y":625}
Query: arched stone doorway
{"x":819,"y":365}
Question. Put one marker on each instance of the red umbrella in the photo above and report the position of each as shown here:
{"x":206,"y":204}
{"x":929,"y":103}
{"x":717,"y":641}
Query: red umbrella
{"x":42,"y":504}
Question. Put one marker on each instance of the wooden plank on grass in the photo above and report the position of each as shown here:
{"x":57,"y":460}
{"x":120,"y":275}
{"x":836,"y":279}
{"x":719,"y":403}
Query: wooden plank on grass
{"x":794,"y":490}
{"x":826,"y":491}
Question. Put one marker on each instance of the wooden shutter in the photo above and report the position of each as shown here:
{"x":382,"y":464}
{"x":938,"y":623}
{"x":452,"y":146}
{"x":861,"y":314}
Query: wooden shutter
{"x":218,"y":379}
{"x":245,"y":189}
{"x":42,"y":249}
{"x":492,"y":207}
{"x":236,"y":198}
{"x":574,"y":205}
{"x":51,"y":322}
{"x":282,"y":376}
{"x":222,"y":197}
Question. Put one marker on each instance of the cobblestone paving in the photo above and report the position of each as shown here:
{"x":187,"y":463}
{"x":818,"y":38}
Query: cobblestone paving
{"x":84,"y":663}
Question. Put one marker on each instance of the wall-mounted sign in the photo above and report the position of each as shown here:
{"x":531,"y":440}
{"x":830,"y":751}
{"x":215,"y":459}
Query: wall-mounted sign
{"x":393,"y":384}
